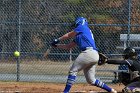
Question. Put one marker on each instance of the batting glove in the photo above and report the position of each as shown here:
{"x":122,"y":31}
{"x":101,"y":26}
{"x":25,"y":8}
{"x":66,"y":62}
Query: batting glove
{"x":54,"y":42}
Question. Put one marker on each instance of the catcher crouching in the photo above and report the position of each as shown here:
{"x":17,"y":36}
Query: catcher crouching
{"x":130,"y":79}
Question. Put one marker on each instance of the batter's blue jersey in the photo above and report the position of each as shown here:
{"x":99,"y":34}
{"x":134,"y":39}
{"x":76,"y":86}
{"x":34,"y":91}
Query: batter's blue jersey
{"x":84,"y":37}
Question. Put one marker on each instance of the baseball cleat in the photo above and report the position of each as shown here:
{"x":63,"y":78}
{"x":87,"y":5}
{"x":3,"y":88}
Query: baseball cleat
{"x":113,"y":91}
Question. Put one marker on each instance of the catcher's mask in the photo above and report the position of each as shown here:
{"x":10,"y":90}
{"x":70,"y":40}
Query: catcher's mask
{"x":79,"y":21}
{"x":130,"y":53}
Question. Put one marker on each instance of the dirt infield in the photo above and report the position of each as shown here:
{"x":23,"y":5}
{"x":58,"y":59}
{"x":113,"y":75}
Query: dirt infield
{"x":46,"y":67}
{"x":30,"y":87}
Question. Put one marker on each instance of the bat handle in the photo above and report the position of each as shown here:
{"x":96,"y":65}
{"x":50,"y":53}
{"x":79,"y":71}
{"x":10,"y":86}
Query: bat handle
{"x":47,"y":52}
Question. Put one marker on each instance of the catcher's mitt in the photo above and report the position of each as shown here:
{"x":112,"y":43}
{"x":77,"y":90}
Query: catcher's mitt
{"x":102,"y":59}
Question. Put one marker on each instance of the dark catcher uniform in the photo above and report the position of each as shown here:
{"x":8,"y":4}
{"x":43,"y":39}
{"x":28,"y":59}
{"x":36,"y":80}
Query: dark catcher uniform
{"x":130,"y":79}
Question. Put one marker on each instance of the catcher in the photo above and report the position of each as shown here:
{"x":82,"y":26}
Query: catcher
{"x":130,"y":79}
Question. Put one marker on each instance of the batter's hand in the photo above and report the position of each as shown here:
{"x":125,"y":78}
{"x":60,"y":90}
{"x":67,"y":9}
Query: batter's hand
{"x":54,"y":42}
{"x":102,"y":59}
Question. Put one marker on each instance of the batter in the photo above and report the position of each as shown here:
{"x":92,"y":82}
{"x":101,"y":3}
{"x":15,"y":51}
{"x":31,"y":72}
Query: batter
{"x":87,"y":59}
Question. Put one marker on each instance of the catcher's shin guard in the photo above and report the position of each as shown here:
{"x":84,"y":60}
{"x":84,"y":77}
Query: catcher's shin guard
{"x":131,"y":90}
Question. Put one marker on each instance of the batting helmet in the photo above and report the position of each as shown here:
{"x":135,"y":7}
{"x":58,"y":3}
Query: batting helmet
{"x":80,"y":21}
{"x":129,"y":53}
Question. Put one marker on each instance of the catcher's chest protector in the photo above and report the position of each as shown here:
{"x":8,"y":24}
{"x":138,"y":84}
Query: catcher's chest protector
{"x":124,"y":78}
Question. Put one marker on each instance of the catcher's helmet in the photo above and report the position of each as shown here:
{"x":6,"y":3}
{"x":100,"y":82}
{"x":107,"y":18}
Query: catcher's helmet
{"x":129,"y":53}
{"x":79,"y":21}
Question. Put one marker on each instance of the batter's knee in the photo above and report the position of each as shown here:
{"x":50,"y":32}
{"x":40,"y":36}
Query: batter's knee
{"x":91,"y":81}
{"x":73,"y":73}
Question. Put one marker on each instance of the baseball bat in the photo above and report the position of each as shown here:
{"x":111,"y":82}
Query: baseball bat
{"x":47,"y":52}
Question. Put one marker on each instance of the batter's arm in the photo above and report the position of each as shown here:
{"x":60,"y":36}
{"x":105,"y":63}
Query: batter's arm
{"x":68,"y":35}
{"x":66,"y":46}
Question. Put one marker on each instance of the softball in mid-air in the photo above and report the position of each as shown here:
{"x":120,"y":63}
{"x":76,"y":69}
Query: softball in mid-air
{"x":16,"y":53}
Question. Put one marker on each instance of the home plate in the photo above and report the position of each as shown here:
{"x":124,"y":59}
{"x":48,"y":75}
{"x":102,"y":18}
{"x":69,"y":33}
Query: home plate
{"x":78,"y":92}
{"x":87,"y":92}
{"x":91,"y":92}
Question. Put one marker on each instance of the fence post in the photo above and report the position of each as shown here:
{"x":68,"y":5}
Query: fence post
{"x":129,"y":23}
{"x":19,"y":39}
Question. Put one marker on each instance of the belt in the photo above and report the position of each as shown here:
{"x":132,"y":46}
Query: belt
{"x":86,"y":48}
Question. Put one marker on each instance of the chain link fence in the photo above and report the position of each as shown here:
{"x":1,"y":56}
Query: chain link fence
{"x":30,"y":25}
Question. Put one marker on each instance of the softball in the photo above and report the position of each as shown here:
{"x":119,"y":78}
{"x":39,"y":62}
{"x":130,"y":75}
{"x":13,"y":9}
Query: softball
{"x":16,"y":54}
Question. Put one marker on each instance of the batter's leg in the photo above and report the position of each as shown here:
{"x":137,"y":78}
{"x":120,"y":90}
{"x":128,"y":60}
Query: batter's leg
{"x":83,"y":60}
{"x":89,"y":73}
{"x":76,"y":66}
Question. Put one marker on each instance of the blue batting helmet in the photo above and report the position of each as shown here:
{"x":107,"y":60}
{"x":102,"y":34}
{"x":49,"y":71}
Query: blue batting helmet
{"x":80,"y":21}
